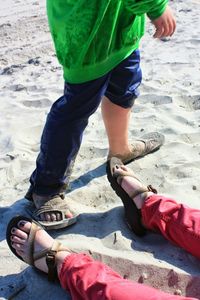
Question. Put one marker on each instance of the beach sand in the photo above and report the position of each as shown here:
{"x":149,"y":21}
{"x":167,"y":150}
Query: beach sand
{"x":30,"y":81}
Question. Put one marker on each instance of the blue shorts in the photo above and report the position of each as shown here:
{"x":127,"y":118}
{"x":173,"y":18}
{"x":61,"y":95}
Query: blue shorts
{"x":124,"y":80}
{"x":68,"y":118}
{"x":120,"y":85}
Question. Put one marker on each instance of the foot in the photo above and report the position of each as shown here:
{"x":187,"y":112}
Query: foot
{"x":129,"y":151}
{"x":39,"y":201}
{"x":147,"y":144}
{"x":43,"y":240}
{"x":126,"y":178}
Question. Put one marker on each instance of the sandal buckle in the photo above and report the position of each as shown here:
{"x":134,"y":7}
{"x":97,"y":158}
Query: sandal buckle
{"x":151,"y":189}
{"x":51,"y":264}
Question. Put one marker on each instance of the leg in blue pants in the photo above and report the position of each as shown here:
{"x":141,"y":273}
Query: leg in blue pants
{"x":68,"y":117}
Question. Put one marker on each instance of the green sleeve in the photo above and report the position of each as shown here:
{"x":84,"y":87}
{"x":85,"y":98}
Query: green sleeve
{"x":154,"y":8}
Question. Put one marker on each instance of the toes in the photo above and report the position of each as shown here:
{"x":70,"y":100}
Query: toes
{"x":124,"y":168}
{"x":42,"y":217}
{"x":19,"y":233}
{"x":121,"y":169}
{"x":47,"y":217}
{"x":52,"y":217}
{"x":24,"y":226}
{"x":16,"y":239}
{"x":118,"y":168}
{"x":20,"y":252}
{"x":58,"y":217}
{"x":68,"y":214}
{"x":17,"y":246}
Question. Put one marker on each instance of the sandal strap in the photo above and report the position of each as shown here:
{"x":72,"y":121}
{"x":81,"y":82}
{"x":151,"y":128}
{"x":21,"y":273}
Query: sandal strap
{"x":119,"y":177}
{"x":51,"y":264}
{"x":51,"y":261}
{"x":50,"y":254}
{"x":152,"y":189}
{"x":30,"y":258}
{"x":54,"y":205}
{"x":141,"y":190}
{"x":138,"y":192}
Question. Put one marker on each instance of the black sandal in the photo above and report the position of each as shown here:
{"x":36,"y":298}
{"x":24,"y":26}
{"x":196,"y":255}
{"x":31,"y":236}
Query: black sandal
{"x":132,"y":213}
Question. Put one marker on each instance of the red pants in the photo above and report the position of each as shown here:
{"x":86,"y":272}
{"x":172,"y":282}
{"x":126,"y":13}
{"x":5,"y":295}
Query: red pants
{"x":92,"y":280}
{"x":176,"y":222}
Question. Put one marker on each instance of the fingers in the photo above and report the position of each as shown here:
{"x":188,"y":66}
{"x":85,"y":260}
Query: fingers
{"x":173,"y":27}
{"x":169,"y":27}
{"x":165,"y":25}
{"x":159,"y":33}
{"x":165,"y":29}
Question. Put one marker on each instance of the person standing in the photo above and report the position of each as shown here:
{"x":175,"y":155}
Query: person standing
{"x":97,"y":44}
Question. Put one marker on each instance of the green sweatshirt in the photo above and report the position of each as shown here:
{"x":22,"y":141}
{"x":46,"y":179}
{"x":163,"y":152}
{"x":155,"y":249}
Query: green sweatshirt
{"x":92,"y":36}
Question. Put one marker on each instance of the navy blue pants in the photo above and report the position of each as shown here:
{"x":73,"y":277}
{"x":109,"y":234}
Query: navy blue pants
{"x":68,"y":117}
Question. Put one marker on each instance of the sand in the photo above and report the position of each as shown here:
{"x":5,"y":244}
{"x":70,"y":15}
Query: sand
{"x":31,"y":80}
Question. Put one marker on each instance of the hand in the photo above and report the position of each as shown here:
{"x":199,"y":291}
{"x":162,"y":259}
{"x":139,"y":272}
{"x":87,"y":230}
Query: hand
{"x":165,"y":25}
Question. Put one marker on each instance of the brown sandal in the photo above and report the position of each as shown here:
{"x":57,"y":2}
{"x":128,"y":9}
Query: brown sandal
{"x":49,"y":253}
{"x":152,"y":142}
{"x":52,"y":204}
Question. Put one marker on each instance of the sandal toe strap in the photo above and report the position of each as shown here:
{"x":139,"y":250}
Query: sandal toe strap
{"x":119,"y":177}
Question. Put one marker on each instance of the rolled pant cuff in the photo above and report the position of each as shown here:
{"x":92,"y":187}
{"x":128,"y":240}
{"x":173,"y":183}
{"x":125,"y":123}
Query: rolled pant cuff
{"x":45,"y":192}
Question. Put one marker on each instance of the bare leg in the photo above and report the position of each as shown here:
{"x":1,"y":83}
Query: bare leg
{"x":116,"y":120}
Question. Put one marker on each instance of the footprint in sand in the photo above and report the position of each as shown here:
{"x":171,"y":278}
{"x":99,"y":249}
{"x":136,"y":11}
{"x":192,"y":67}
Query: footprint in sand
{"x":191,"y":170}
{"x":42,"y":103}
{"x":34,"y":61}
{"x":18,"y":87}
{"x":10,"y":70}
{"x":189,"y":102}
{"x":155,"y":99}
{"x":6,"y":144}
{"x":195,"y":42}
{"x":190,"y":138}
